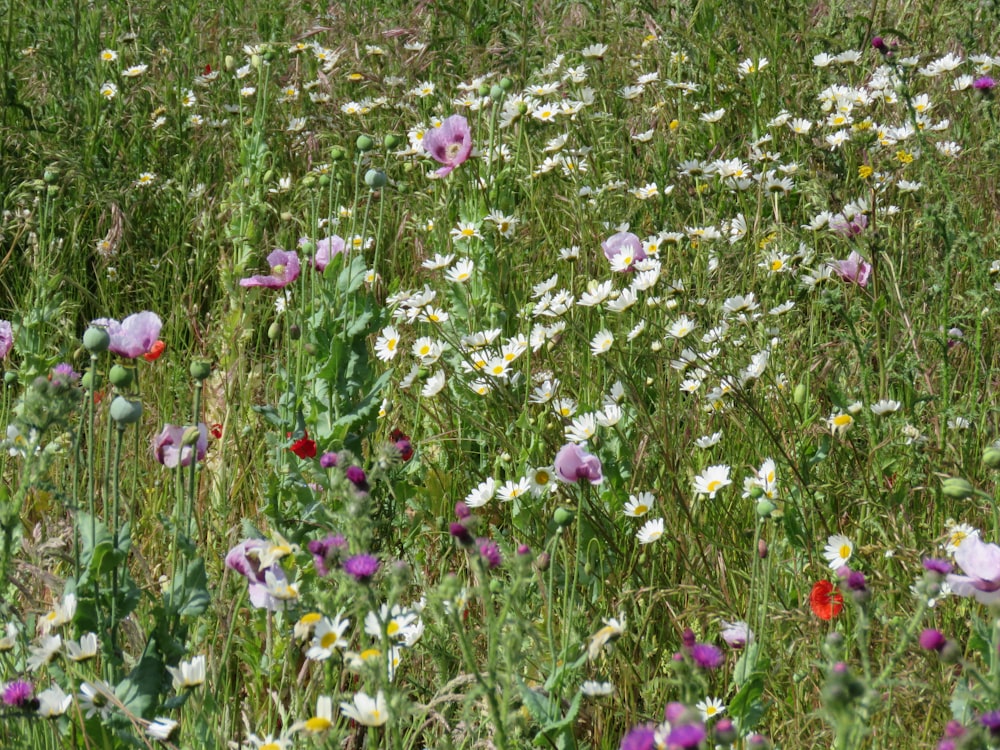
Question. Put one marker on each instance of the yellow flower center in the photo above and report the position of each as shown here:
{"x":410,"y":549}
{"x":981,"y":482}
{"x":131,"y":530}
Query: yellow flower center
{"x":328,"y":640}
{"x":641,"y":509}
{"x":842,"y":420}
{"x":844,"y":551}
{"x":318,"y":724}
{"x":370,"y":653}
{"x":714,"y":485}
{"x":777,"y":264}
{"x":393,"y":628}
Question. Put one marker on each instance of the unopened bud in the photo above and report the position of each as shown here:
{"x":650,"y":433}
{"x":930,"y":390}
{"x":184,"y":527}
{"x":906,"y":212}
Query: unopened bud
{"x":957,"y":488}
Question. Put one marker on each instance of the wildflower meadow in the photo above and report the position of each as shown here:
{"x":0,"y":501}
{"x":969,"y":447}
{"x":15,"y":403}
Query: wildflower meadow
{"x":489,"y":375}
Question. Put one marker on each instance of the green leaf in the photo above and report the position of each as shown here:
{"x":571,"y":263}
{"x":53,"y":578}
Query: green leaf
{"x":188,"y":595}
{"x":140,"y":689}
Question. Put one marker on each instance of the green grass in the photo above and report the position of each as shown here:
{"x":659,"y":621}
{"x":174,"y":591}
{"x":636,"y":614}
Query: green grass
{"x":236,"y":174}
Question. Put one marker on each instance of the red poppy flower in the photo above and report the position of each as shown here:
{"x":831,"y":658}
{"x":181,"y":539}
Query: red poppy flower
{"x":304,"y":447}
{"x":825,"y":600}
{"x":154,"y":351}
{"x":216,"y":431}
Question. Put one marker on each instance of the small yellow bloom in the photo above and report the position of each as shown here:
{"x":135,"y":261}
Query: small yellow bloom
{"x":864,"y":171}
{"x":904,"y":157}
{"x":674,"y":124}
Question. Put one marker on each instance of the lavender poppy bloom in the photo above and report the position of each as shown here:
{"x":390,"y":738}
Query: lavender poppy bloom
{"x":449,"y":144}
{"x":980,"y":562}
{"x":134,"y":336}
{"x":328,"y":460}
{"x":618,"y":248}
{"x":244,"y":559}
{"x":284,"y":270}
{"x":855,"y":269}
{"x":573,"y":463}
{"x":326,"y":249}
{"x":169,"y":450}
{"x":848,"y":227}
{"x":736,"y":634}
{"x":361,"y":567}
{"x":6,"y":338}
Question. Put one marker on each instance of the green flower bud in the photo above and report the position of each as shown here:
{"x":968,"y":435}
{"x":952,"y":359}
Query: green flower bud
{"x":90,"y":380}
{"x":563,"y":516}
{"x":765,"y":508}
{"x":10,"y":378}
{"x":96,"y":340}
{"x":309,"y":180}
{"x":125,"y":412}
{"x":324,"y":180}
{"x":375,"y":178}
{"x":50,"y":175}
{"x":364,"y":143}
{"x":951,"y":652}
{"x":496,"y":93}
{"x":991,"y":457}
{"x":484,"y":90}
{"x":121,"y":377}
{"x":294,"y":332}
{"x":799,"y":394}
{"x":957,"y":488}
{"x":200,"y":369}
{"x":190,"y":436}
{"x":274,"y":331}
{"x":506,"y":84}
{"x":391,"y":141}
{"x":336,"y":153}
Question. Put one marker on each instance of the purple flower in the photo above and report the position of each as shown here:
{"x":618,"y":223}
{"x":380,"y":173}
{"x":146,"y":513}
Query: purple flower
{"x":706,"y":656}
{"x":169,"y":450}
{"x":65,"y":373}
{"x":449,"y":144}
{"x":284,"y":270}
{"x":855,"y":269}
{"x":623,"y":250}
{"x":936,"y":565}
{"x":17,"y":694}
{"x":984,"y":84}
{"x":848,"y":227}
{"x":932,"y":640}
{"x":954,"y":729}
{"x":462,"y":511}
{"x":461,"y":532}
{"x":991,"y":721}
{"x":685,"y":736}
{"x":640,"y":738}
{"x":244,"y":558}
{"x":6,"y":338}
{"x":879,"y":44}
{"x":134,"y":336}
{"x":326,"y":249}
{"x":490,"y":552}
{"x":688,"y":638}
{"x":573,"y":463}
{"x":362,"y":568}
{"x":328,"y":460}
{"x":673,"y":712}
{"x":325,"y":551}
{"x":981,"y":564}
{"x":356,"y":475}
{"x":736,"y":634}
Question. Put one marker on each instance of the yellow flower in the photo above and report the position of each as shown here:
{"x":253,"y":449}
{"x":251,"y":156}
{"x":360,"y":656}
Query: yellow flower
{"x":904,"y":157}
{"x":864,"y":171}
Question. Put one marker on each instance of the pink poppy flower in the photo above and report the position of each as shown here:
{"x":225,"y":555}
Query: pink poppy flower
{"x":623,"y":249}
{"x":449,"y":144}
{"x":284,"y":270}
{"x":573,"y":463}
{"x":6,"y":338}
{"x":326,"y":249}
{"x":980,"y":562}
{"x":169,"y":450}
{"x":855,"y":269}
{"x":134,"y":336}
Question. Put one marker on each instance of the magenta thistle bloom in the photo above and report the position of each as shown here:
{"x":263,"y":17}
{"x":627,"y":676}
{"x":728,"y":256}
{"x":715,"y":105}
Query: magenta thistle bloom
{"x":17,"y":694}
{"x":573,"y":463}
{"x":449,"y":144}
{"x":328,"y":460}
{"x":284,"y":270}
{"x":706,"y":656}
{"x":134,"y":336}
{"x":673,"y":712}
{"x":6,"y":338}
{"x":362,"y":568}
{"x":854,"y":269}
{"x":686,"y":736}
{"x":356,"y":475}
{"x":932,"y":640}
{"x":169,"y":450}
{"x":490,"y":552}
{"x":326,"y":551}
{"x":620,"y":247}
{"x":984,"y":84}
{"x":640,"y":738}
{"x":461,"y":532}
{"x":980,"y":562}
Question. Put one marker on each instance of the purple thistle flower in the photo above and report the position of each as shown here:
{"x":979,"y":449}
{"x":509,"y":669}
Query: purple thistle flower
{"x":688,"y":638}
{"x":490,"y":552}
{"x":573,"y":463}
{"x":984,"y":84}
{"x":328,"y":460}
{"x":673,"y":712}
{"x":325,"y":552}
{"x":65,"y":373}
{"x":954,"y":729}
{"x":462,"y":511}
{"x":640,"y":738}
{"x":991,"y":721}
{"x":686,"y":736}
{"x":169,"y":450}
{"x":932,"y":640}
{"x":356,"y":476}
{"x":17,"y":694}
{"x":936,"y":565}
{"x":449,"y":144}
{"x":134,"y":336}
{"x":284,"y":270}
{"x":706,"y":656}
{"x":6,"y":338}
{"x":461,"y":532}
{"x":879,"y":44}
{"x":362,"y":568}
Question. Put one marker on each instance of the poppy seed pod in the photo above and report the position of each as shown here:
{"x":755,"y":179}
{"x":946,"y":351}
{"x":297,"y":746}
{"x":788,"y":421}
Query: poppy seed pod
{"x":125,"y":412}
